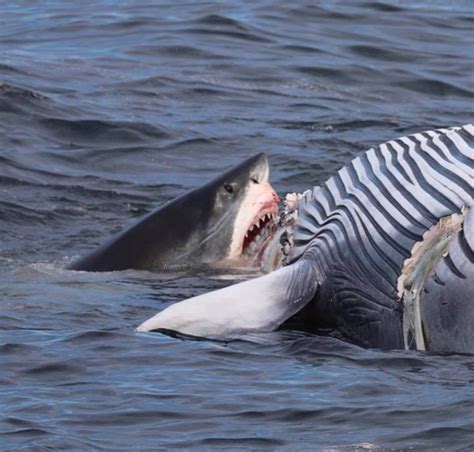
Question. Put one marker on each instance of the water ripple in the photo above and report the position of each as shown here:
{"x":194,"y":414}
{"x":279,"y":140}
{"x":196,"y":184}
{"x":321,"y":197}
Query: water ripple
{"x":109,"y":109}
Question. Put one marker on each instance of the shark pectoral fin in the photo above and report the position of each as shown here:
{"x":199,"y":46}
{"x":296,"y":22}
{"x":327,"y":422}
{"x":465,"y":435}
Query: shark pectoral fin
{"x":258,"y":305}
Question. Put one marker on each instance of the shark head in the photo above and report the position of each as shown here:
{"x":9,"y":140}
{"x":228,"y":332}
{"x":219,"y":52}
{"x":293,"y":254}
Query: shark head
{"x":242,"y":214}
{"x":218,"y":223}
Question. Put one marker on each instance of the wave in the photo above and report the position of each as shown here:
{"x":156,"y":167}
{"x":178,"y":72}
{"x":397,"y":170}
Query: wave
{"x":87,"y":131}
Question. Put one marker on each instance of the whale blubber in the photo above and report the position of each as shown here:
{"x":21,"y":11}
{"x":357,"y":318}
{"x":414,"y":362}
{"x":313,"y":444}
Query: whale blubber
{"x":425,"y":256}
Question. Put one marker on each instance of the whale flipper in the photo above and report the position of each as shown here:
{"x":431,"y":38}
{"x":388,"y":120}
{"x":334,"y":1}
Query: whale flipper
{"x":258,"y":305}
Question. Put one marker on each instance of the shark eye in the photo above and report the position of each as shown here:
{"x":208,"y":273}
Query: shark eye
{"x":254,"y":180}
{"x":228,"y":188}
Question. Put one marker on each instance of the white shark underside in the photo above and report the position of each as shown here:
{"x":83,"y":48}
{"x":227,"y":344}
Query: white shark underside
{"x":351,"y":240}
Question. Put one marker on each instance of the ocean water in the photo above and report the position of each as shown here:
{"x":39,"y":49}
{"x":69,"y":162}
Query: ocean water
{"x":110,"y":108}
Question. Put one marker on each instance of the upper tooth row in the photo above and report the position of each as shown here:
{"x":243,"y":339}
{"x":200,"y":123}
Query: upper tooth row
{"x":262,"y":219}
{"x":272,"y":216}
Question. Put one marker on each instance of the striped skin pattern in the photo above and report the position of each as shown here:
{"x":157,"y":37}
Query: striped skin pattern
{"x":360,"y":226}
{"x":451,"y":283}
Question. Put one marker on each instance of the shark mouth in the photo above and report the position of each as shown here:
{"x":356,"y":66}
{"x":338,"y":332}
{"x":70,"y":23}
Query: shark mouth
{"x":269,"y":240}
{"x":257,"y":234}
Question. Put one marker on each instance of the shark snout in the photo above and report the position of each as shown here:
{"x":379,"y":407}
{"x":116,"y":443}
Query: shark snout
{"x":271,"y":192}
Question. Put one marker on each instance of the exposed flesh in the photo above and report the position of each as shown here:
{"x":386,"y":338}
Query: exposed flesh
{"x":424,"y":258}
{"x":269,"y":240}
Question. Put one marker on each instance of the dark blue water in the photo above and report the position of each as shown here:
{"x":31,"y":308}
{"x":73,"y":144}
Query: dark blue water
{"x":109,"y":108}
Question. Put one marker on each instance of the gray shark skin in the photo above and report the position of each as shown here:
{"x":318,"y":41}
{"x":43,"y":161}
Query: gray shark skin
{"x":366,"y":258}
{"x":192,"y":230}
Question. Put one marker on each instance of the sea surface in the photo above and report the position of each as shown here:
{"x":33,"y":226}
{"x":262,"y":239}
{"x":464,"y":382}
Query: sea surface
{"x":109,"y":109}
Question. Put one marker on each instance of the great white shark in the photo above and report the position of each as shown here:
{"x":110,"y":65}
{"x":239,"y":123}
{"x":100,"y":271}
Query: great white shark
{"x":382,"y":253}
{"x":226,"y":220}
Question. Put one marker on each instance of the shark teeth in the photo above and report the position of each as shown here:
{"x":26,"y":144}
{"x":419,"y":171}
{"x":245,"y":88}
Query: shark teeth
{"x":260,"y":229}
